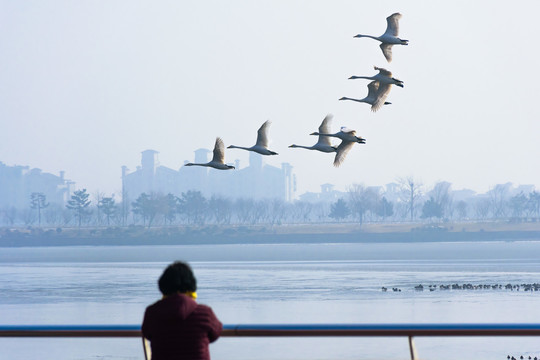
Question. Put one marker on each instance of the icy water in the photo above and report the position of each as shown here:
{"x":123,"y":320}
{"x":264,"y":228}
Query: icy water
{"x":307,"y":283}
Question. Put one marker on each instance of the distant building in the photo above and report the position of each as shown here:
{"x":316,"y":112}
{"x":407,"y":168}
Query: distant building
{"x":463,"y":195}
{"x":257,"y":181}
{"x":327,"y":195}
{"x":17,"y":183}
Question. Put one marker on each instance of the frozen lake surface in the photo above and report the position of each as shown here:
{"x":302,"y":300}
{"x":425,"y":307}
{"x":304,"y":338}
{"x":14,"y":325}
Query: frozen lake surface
{"x":297,"y":283}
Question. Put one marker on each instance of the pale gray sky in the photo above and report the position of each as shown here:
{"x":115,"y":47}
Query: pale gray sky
{"x":85,"y":86}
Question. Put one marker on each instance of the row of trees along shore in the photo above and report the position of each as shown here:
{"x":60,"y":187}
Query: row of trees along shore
{"x":359,"y":204}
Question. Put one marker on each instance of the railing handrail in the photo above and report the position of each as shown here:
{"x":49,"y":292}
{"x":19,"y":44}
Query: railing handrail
{"x":262,"y":330}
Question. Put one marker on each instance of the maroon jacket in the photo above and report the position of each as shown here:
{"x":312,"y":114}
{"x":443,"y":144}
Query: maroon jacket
{"x":178,"y":328}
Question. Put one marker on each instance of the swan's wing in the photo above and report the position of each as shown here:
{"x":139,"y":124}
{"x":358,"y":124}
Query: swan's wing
{"x":383,"y":71}
{"x":325,"y":129}
{"x":219,"y":151}
{"x":373,"y":87}
{"x":325,"y":125}
{"x":324,"y":140}
{"x":392,"y":24}
{"x":262,"y":134}
{"x":342,"y":151}
{"x":380,"y":97}
{"x":387,"y":51}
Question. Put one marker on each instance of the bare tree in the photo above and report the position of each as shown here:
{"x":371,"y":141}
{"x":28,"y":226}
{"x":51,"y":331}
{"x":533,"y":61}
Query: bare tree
{"x":518,"y":205}
{"x":98,"y":196}
{"x":53,"y":214}
{"x":441,"y":195}
{"x":498,"y":197}
{"x":124,"y":207}
{"x":301,"y":211}
{"x":461,"y":208}
{"x":277,"y":211}
{"x":411,"y":192}
{"x":261,"y":211}
{"x":244,"y":210}
{"x":27,"y":216}
{"x":9,"y":214}
{"x":221,"y":209}
{"x":482,"y":208}
{"x":361,"y":200}
{"x":534,"y":202}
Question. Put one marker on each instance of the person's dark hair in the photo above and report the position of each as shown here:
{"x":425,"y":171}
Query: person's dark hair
{"x":177,"y":277}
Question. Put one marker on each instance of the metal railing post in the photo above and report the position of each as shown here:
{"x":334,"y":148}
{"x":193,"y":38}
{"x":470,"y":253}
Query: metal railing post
{"x":412,"y":349}
{"x":146,"y":348}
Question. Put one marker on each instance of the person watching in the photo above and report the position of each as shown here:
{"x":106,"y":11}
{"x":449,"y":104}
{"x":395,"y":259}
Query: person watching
{"x":177,"y":326}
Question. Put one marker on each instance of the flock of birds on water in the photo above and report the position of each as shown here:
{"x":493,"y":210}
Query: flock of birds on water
{"x":512,"y":287}
{"x":378,"y":91}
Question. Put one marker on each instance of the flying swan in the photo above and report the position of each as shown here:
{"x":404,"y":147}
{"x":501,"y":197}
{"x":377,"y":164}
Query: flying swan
{"x":371,"y":98}
{"x":324,"y":144}
{"x":348,"y":139}
{"x":390,"y":36}
{"x":261,"y":146}
{"x":385,"y":80}
{"x":218,"y":161}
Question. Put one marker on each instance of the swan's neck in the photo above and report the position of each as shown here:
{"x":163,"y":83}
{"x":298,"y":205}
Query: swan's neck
{"x":303,"y":147}
{"x":368,"y":36}
{"x":195,"y":164}
{"x":357,"y":100}
{"x":238,"y":147}
{"x":361,"y":77}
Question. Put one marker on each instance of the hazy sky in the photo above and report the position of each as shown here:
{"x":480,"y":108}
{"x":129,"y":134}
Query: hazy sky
{"x":85,"y":86}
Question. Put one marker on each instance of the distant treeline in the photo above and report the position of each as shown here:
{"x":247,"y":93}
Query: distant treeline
{"x":358,"y":205}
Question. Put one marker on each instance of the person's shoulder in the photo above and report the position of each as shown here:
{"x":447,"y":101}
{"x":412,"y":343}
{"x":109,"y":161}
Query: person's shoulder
{"x":154,"y":306}
{"x":204,"y":311}
{"x":204,"y":308}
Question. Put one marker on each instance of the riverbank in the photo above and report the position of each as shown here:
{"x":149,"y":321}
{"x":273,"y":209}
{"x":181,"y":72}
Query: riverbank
{"x":282,"y":234}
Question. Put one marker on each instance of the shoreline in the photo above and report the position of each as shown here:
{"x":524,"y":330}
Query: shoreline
{"x":282,"y":234}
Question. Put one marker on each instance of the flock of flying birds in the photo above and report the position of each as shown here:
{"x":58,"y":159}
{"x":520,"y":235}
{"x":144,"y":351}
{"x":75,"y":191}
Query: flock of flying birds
{"x":378,"y":90}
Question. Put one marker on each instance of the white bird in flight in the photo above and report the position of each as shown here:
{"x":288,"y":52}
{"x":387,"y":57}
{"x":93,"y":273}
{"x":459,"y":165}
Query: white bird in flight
{"x":390,"y":36}
{"x":348,"y":139}
{"x":385,"y":81}
{"x":261,"y":146}
{"x":218,"y":160}
{"x":371,"y":98}
{"x":324,"y":144}
{"x":384,"y":77}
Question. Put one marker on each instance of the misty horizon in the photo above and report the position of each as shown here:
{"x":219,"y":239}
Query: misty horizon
{"x":85,"y":90}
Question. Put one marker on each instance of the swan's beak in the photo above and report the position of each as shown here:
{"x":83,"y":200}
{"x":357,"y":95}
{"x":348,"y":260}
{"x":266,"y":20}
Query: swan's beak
{"x":400,"y":85}
{"x":357,"y":36}
{"x":352,"y":77}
